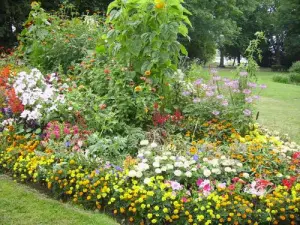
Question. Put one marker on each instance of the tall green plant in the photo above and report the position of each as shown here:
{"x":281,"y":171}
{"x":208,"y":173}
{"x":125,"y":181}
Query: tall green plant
{"x":144,"y":35}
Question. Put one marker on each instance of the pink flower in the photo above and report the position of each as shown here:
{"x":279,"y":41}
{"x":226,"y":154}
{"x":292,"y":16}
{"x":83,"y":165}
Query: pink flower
{"x":263,"y":86}
{"x":199,"y":182}
{"x":175,"y":185}
{"x":247,"y":112}
{"x":224,"y":103}
{"x":247,"y":91}
{"x":215,"y":112}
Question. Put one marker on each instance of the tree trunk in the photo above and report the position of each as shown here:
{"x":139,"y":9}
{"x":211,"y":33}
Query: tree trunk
{"x":233,"y":61}
{"x":221,"y":58}
{"x":239,"y":59}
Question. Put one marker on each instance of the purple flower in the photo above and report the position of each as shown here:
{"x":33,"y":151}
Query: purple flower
{"x":247,"y":91}
{"x":220,"y":96}
{"x":224,"y":103}
{"x":209,"y":93}
{"x":252,"y":85}
{"x":196,"y":100}
{"x":248,"y":99}
{"x":215,"y":112}
{"x":213,"y":71}
{"x":68,"y":143}
{"x":263,"y":86}
{"x":186,"y":93}
{"x":256,"y":97}
{"x":175,"y":185}
{"x":196,"y":157}
{"x":243,"y":74}
{"x":216,"y":78}
{"x":198,"y":81}
{"x":247,"y":112}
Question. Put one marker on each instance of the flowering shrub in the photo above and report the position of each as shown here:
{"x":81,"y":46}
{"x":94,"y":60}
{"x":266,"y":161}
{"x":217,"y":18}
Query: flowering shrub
{"x":224,"y":99}
{"x":36,"y":94}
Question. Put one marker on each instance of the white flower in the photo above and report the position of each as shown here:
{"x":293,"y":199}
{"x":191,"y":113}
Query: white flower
{"x":156,"y":164}
{"x":216,"y":171}
{"x":279,"y":175}
{"x":246,"y":175}
{"x":157,"y":170}
{"x":144,"y":142}
{"x":239,"y":164}
{"x":164,"y":168}
{"x":157,"y":158}
{"x":206,"y":172}
{"x":170,"y":166}
{"x":188,"y":174}
{"x":132,"y":173}
{"x":147,"y":180}
{"x":214,"y":162}
{"x":153,"y":145}
{"x":143,"y":166}
{"x":205,"y":159}
{"x":177,"y":173}
{"x":173,"y":157}
{"x":227,"y":169}
{"x":178,"y":164}
{"x":70,"y":108}
{"x":139,"y":174}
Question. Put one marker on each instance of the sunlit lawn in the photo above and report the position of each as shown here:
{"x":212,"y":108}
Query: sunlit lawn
{"x":23,"y":205}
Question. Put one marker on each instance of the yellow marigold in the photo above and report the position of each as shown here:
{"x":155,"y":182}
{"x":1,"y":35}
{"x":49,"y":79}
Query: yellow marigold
{"x":147,"y":73}
{"x":138,"y":89}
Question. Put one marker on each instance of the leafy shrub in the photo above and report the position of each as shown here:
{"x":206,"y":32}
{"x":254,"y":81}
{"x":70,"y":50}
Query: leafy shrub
{"x":281,"y":79}
{"x":144,"y":35}
{"x":49,"y":41}
{"x":295,"y":78}
{"x":295,"y":68}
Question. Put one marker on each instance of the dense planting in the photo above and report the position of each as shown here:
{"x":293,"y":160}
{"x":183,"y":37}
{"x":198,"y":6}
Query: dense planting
{"x":125,"y":130}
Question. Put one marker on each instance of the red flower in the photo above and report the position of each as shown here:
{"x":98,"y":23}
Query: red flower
{"x":106,"y":71}
{"x":14,"y":103}
{"x":296,"y":155}
{"x":289,"y":182}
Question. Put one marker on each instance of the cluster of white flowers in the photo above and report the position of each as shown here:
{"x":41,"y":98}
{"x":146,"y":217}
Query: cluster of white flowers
{"x":8,"y":122}
{"x":150,"y":163}
{"x":35,"y":94}
{"x":219,"y":165}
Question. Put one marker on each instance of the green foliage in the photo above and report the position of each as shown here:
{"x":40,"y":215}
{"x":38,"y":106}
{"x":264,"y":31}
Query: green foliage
{"x":281,"y":79}
{"x":213,"y":23}
{"x":48,"y":41}
{"x":144,"y":35}
{"x":295,"y":68}
{"x":295,"y":78}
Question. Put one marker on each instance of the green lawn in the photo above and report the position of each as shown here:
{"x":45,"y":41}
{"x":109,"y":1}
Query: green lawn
{"x":22,"y":205}
{"x":279,"y":106}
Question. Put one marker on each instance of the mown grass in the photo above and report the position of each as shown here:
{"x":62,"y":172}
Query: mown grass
{"x":279,"y":105}
{"x":22,"y":205}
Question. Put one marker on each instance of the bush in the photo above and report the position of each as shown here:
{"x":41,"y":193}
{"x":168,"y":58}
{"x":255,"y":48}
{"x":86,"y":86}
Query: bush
{"x":295,"y":68}
{"x":51,"y":41}
{"x":295,"y":77}
{"x":281,"y":79}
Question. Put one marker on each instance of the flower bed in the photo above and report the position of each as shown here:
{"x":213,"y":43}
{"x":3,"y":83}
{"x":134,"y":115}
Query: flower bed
{"x":160,"y":187}
{"x":130,"y":133}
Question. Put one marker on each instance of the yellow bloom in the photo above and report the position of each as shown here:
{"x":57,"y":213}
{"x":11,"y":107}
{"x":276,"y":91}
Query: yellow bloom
{"x":148,"y":73}
{"x":138,"y":89}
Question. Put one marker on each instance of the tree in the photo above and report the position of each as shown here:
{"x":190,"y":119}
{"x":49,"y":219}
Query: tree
{"x":212,"y":26}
